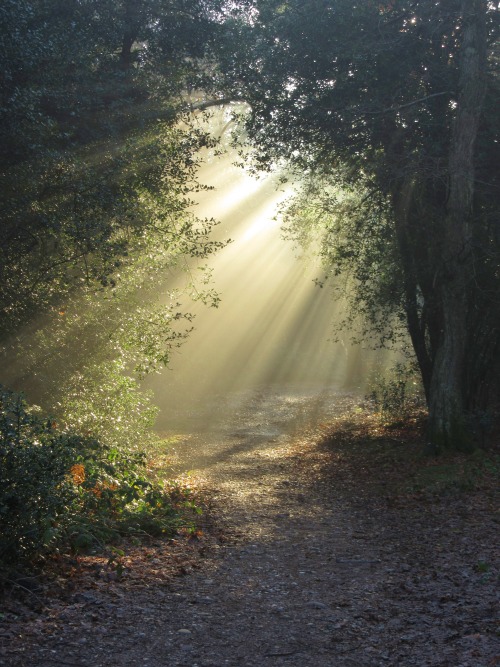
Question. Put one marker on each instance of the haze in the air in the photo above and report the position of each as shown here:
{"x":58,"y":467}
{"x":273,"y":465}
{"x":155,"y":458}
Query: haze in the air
{"x":274,"y":328}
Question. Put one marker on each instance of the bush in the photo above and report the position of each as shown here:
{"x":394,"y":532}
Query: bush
{"x":62,"y":490}
{"x":397,"y":394}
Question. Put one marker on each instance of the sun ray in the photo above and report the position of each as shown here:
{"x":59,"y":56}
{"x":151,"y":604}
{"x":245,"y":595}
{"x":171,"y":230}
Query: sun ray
{"x":274,"y":327}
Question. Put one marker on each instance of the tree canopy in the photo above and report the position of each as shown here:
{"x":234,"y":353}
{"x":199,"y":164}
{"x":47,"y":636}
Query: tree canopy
{"x":96,"y":183}
{"x":398,"y":101}
{"x":393,"y":103}
{"x":88,"y":93}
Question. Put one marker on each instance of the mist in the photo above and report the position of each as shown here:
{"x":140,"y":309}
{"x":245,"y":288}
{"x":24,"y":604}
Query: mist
{"x":274,"y":329}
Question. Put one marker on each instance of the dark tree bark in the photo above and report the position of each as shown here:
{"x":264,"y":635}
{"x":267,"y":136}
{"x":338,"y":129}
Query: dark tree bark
{"x":447,"y":393}
{"x":402,"y":200}
{"x":133,"y":20}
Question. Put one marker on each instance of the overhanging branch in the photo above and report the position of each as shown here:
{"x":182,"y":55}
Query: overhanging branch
{"x":389,"y":109}
{"x":408,"y":104}
{"x":216,"y":102}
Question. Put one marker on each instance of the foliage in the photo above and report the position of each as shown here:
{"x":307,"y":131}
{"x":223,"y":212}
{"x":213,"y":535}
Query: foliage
{"x":92,"y":211}
{"x":397,"y":394}
{"x":82,"y":359}
{"x":87,"y":350}
{"x":395,"y":102}
{"x":96,"y":177}
{"x":88,"y":96}
{"x":125,"y":306}
{"x":60,"y":489}
{"x":75,"y":72}
{"x":350,"y":228}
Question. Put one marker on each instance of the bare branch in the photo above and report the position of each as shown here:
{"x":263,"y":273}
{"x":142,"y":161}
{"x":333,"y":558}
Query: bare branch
{"x":389,"y":109}
{"x":216,"y":102}
{"x":409,"y":104}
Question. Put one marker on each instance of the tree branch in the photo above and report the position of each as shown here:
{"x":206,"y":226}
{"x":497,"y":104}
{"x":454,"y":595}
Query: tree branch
{"x":408,"y":104}
{"x":389,"y":109}
{"x":216,"y":102}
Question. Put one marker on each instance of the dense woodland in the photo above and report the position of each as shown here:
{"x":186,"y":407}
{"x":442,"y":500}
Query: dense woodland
{"x":388,"y":112}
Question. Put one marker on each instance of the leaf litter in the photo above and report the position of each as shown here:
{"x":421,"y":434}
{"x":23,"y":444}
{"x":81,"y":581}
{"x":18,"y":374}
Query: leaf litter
{"x":336,"y":543}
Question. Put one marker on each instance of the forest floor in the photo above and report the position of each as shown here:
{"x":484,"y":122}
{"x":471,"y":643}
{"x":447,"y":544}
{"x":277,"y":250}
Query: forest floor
{"x":334,"y":544}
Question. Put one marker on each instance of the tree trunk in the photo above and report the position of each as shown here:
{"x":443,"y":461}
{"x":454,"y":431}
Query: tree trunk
{"x":402,"y":201}
{"x":133,"y":19}
{"x":447,"y":419}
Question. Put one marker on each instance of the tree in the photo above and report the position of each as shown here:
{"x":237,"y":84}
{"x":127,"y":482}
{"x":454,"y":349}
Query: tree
{"x":396,"y":99}
{"x":96,"y":180}
{"x":88,"y":94}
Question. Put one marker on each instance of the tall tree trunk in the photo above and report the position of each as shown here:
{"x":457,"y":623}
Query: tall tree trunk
{"x":446,"y":407}
{"x":402,"y":201}
{"x":133,"y":19}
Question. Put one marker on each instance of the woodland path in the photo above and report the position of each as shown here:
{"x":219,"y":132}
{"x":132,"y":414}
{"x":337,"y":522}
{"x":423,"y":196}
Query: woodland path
{"x":309,"y":565}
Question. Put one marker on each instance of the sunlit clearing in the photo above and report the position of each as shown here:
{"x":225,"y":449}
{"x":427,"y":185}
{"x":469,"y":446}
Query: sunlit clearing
{"x":274,"y":327}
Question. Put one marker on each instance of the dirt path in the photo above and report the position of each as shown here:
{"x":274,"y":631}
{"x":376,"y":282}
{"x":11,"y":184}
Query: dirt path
{"x":317,"y":568}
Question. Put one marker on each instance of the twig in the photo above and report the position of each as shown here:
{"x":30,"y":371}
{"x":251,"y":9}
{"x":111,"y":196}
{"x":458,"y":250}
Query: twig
{"x":24,"y":588}
{"x":216,"y":102}
{"x":389,"y":109}
{"x":408,"y":104}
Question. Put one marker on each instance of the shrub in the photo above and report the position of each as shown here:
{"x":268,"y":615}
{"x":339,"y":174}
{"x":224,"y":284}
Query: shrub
{"x":396,"y":394}
{"x":60,"y":490}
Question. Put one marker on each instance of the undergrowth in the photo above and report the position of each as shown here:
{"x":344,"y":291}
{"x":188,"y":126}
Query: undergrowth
{"x":396,"y":394}
{"x":62,"y":491}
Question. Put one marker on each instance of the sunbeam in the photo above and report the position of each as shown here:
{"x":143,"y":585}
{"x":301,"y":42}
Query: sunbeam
{"x":274,"y":326}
